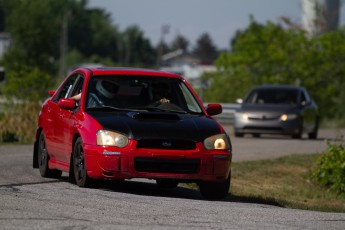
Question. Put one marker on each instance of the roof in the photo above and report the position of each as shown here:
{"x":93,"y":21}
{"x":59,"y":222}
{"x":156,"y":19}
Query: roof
{"x":97,"y":71}
{"x":278,"y":86}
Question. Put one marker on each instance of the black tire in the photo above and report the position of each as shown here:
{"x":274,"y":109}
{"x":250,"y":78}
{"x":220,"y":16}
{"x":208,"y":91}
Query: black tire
{"x":297,"y":136}
{"x":215,"y":190}
{"x":256,"y":135}
{"x":313,"y":135}
{"x":79,"y":168}
{"x":167,"y":183}
{"x":43,"y":159}
{"x":238,"y":134}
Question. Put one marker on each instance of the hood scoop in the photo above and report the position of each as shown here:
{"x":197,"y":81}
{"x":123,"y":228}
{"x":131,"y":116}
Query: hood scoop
{"x":156,"y":116}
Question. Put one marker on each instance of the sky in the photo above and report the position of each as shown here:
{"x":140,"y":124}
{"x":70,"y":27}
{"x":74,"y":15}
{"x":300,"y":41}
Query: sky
{"x":191,"y":18}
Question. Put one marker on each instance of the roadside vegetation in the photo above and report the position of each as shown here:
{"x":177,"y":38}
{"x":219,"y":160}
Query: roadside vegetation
{"x":290,"y":181}
{"x":284,"y":182}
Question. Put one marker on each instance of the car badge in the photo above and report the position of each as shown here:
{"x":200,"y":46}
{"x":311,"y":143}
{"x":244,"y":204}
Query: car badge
{"x":166,"y":143}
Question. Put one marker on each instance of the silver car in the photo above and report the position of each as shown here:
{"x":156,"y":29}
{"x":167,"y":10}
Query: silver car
{"x":277,"y":109}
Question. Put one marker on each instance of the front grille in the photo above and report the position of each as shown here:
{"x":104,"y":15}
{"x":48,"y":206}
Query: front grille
{"x":166,"y":144}
{"x":154,"y":165}
{"x":263,"y":128}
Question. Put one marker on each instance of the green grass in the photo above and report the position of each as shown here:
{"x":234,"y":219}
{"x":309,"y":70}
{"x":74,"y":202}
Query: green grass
{"x":284,"y":182}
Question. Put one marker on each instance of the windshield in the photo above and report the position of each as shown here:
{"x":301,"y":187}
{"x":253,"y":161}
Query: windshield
{"x":273,"y":96}
{"x":140,"y":93}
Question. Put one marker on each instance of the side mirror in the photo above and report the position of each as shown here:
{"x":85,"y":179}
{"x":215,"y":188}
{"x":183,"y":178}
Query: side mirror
{"x":51,"y":92}
{"x":66,"y":103}
{"x":214,"y":109}
{"x":305,"y":103}
{"x":239,"y":100}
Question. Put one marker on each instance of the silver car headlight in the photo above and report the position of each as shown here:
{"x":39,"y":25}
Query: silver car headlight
{"x":242,"y":116}
{"x":286,"y":117}
{"x":109,"y":138}
{"x":219,"y":142}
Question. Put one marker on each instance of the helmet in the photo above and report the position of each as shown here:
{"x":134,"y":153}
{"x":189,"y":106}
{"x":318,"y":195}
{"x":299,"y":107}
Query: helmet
{"x":107,"y":88}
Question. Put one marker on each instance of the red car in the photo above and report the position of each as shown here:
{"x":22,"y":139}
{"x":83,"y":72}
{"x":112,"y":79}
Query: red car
{"x":123,"y":123}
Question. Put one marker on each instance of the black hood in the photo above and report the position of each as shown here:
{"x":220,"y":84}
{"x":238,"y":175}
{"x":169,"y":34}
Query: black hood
{"x":157,"y":125}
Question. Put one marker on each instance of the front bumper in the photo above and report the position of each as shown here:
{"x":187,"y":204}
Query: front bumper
{"x":272,"y":126}
{"x":182,"y":165}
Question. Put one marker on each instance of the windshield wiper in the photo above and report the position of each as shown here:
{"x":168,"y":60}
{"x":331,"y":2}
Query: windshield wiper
{"x":105,"y":107}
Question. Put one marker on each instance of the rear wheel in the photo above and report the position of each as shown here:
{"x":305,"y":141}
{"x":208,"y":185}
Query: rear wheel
{"x":79,"y":167}
{"x":43,"y":158}
{"x":313,"y":135}
{"x":256,"y":135}
{"x":215,"y":190}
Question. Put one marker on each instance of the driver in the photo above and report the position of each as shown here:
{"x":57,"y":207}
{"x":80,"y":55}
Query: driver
{"x":104,"y":93}
{"x":161,"y":92}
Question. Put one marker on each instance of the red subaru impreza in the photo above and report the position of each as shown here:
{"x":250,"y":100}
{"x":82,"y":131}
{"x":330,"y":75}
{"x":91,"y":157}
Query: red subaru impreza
{"x":123,"y":123}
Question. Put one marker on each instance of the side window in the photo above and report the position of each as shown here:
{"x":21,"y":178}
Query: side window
{"x":66,"y":89}
{"x":305,"y":99}
{"x":78,"y":86}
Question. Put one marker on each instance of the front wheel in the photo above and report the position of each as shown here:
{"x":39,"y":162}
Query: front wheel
{"x":79,"y":167}
{"x":215,"y":190}
{"x":167,"y":183}
{"x":43,"y":159}
{"x":237,"y":134}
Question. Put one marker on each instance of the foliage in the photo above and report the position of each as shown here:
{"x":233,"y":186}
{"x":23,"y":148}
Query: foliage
{"x":330,"y":169}
{"x":205,"y":49}
{"x":34,"y":40}
{"x":180,"y":42}
{"x":137,"y":49}
{"x":27,"y":84}
{"x":272,"y":54}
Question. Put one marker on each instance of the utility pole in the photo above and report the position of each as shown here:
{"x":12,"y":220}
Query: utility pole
{"x":64,"y":43}
{"x":164,"y":30}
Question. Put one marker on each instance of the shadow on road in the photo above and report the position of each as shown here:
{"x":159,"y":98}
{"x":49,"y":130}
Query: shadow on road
{"x":151,"y":189}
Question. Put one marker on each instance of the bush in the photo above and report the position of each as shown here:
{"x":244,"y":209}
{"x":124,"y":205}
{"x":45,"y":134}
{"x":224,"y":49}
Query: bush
{"x":330,"y":170}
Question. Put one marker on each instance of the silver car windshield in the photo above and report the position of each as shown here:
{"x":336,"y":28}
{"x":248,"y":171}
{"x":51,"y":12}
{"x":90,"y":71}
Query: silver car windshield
{"x":273,"y":96}
{"x":141,"y":93}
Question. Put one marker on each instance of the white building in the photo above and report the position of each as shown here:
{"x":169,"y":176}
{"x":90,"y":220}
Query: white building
{"x":320,"y":16}
{"x":186,"y":65}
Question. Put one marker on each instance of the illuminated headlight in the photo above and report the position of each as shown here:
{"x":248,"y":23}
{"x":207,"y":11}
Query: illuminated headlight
{"x":286,"y":117}
{"x":108,"y":138}
{"x":240,"y":115}
{"x":219,"y":142}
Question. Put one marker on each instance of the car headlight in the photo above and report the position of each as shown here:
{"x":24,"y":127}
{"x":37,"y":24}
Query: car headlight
{"x":286,"y":117}
{"x":240,"y":115}
{"x":219,"y":142}
{"x":109,"y":138}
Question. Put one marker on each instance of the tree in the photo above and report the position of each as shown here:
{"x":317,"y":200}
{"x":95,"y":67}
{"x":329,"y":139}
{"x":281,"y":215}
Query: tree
{"x":180,"y":42}
{"x":205,"y":49}
{"x":137,"y":48}
{"x":34,"y":40}
{"x":271,"y":54}
{"x":92,"y":33}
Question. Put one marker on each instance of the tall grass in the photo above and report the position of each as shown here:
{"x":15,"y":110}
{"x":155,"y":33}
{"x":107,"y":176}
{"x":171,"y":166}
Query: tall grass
{"x":18,"y":122}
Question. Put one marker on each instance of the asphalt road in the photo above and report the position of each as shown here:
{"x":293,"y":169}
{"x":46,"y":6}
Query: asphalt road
{"x":28,"y":201}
